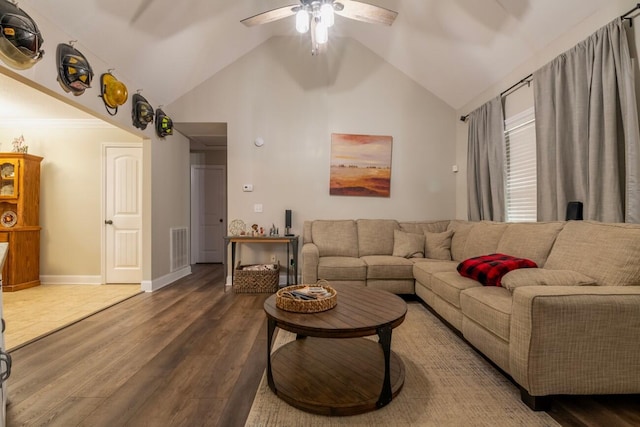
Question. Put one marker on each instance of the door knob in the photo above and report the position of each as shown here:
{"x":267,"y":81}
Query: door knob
{"x":108,"y":222}
{"x":220,"y":219}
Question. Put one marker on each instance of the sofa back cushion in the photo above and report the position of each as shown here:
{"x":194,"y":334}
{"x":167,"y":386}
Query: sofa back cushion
{"x":419,"y":227}
{"x":375,"y":236}
{"x":335,"y":237}
{"x":461,"y":231}
{"x":531,"y":240}
{"x":609,"y":253}
{"x":483,"y":238}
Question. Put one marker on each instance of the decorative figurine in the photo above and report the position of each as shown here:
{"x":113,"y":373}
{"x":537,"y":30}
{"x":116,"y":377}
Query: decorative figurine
{"x":18,"y":145}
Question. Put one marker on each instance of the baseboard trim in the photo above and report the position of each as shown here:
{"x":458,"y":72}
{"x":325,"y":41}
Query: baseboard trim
{"x":70,"y":280}
{"x":161,"y":282}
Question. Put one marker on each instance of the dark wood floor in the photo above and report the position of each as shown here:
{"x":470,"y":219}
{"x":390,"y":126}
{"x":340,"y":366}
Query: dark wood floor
{"x":187,"y":355}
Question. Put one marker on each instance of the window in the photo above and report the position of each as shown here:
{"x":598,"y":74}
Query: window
{"x":520,"y":138}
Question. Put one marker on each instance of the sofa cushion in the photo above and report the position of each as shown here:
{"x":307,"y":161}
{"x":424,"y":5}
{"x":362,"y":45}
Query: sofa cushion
{"x":488,"y":307}
{"x":408,"y":245}
{"x":461,"y":231}
{"x":424,"y":268}
{"x":438,"y":245}
{"x":542,"y":276}
{"x":607,"y":252}
{"x":420,"y":227}
{"x":532,"y":240}
{"x":489,"y":269}
{"x":448,"y":285}
{"x":375,"y":236}
{"x":335,"y":237}
{"x":341,"y":268}
{"x":388,"y":267}
{"x":483,"y":238}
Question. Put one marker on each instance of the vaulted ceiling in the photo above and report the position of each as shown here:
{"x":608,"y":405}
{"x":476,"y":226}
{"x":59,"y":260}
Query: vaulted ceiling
{"x":454,"y":48}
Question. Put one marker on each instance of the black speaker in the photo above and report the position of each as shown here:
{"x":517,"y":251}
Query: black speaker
{"x":574,"y":211}
{"x":287,"y":222}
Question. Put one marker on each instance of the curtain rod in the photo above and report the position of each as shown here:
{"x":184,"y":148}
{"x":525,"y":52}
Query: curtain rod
{"x":630,"y":18}
{"x":507,"y":91}
{"x":528,"y":78}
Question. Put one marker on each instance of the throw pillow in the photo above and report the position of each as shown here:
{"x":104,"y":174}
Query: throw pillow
{"x":408,"y":245}
{"x":438,"y":245}
{"x":541,"y":276}
{"x":489,"y":269}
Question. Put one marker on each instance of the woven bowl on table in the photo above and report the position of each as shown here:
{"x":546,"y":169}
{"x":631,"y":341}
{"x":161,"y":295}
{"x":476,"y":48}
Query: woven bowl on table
{"x":306,"y":306}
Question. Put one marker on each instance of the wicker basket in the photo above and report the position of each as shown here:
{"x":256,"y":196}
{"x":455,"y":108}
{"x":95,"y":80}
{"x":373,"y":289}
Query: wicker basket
{"x":255,"y":281}
{"x":306,"y":306}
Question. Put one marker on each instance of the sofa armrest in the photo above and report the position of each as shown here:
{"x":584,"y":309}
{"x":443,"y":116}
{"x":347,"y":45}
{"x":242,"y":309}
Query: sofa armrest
{"x":310,"y":261}
{"x":576,"y":340}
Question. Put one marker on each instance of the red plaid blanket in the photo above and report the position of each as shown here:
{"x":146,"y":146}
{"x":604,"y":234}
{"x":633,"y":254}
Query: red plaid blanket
{"x":489,"y":269}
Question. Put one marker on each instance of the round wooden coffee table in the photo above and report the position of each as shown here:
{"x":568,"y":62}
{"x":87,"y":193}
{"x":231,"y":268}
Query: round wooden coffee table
{"x":324,"y":373}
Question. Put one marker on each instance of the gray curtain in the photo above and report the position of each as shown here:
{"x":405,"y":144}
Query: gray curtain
{"x":485,"y":162}
{"x":587,"y":130}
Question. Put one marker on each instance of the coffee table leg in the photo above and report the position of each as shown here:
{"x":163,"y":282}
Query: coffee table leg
{"x":384,"y":335}
{"x":271,"y":328}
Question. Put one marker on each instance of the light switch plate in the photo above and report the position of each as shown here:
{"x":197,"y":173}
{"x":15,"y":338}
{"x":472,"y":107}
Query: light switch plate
{"x":257,"y":207}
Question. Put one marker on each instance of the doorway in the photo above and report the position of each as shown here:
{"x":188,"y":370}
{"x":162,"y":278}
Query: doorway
{"x":123,"y":213}
{"x":208,"y":213}
{"x":208,"y":147}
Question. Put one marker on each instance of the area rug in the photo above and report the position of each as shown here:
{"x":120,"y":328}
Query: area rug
{"x":446,"y":384}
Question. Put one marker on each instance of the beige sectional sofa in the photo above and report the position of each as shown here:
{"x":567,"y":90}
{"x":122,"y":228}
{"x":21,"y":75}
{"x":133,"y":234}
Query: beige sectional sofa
{"x":571,"y":326}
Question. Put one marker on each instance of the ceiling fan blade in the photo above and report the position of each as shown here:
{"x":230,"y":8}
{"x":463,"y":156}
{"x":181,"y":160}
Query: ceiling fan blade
{"x":366,"y":12}
{"x":270,"y":15}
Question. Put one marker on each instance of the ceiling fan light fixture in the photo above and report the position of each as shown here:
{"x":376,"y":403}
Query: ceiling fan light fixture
{"x":322,"y":32}
{"x":326,"y":14}
{"x":302,"y":21}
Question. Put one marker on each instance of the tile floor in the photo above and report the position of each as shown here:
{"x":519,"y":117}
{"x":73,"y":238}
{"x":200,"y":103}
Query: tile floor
{"x":31,"y":313}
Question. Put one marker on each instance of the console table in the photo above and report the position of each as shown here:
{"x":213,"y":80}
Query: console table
{"x":291,"y":241}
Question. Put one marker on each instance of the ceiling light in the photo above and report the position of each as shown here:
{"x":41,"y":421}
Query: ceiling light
{"x":326,"y":14}
{"x":322,"y":33}
{"x":302,"y":21}
{"x":317,"y":15}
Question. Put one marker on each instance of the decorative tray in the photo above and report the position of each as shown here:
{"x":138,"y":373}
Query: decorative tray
{"x":307,"y":298}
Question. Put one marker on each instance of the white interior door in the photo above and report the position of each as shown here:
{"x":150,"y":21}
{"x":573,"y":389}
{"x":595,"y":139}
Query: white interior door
{"x":123,"y":214}
{"x":208,"y":213}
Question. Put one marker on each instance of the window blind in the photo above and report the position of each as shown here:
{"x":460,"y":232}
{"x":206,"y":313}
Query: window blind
{"x":520,"y":138}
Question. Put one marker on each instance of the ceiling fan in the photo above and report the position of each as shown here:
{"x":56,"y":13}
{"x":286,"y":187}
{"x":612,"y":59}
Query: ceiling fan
{"x":317,"y":16}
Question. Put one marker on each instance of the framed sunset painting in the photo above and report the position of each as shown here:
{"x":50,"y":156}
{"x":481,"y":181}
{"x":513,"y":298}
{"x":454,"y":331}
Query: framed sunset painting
{"x":360,"y":165}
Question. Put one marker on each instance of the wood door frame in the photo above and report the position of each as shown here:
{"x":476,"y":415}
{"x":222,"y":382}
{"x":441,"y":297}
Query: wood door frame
{"x":103,"y":195}
{"x":194,"y":218}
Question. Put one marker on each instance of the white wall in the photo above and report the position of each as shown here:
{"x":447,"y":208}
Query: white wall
{"x":294,"y":102}
{"x":523,"y":98}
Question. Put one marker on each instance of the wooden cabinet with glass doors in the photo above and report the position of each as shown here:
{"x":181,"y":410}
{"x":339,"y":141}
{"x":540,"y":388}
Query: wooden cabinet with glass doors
{"x":20,"y":219}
